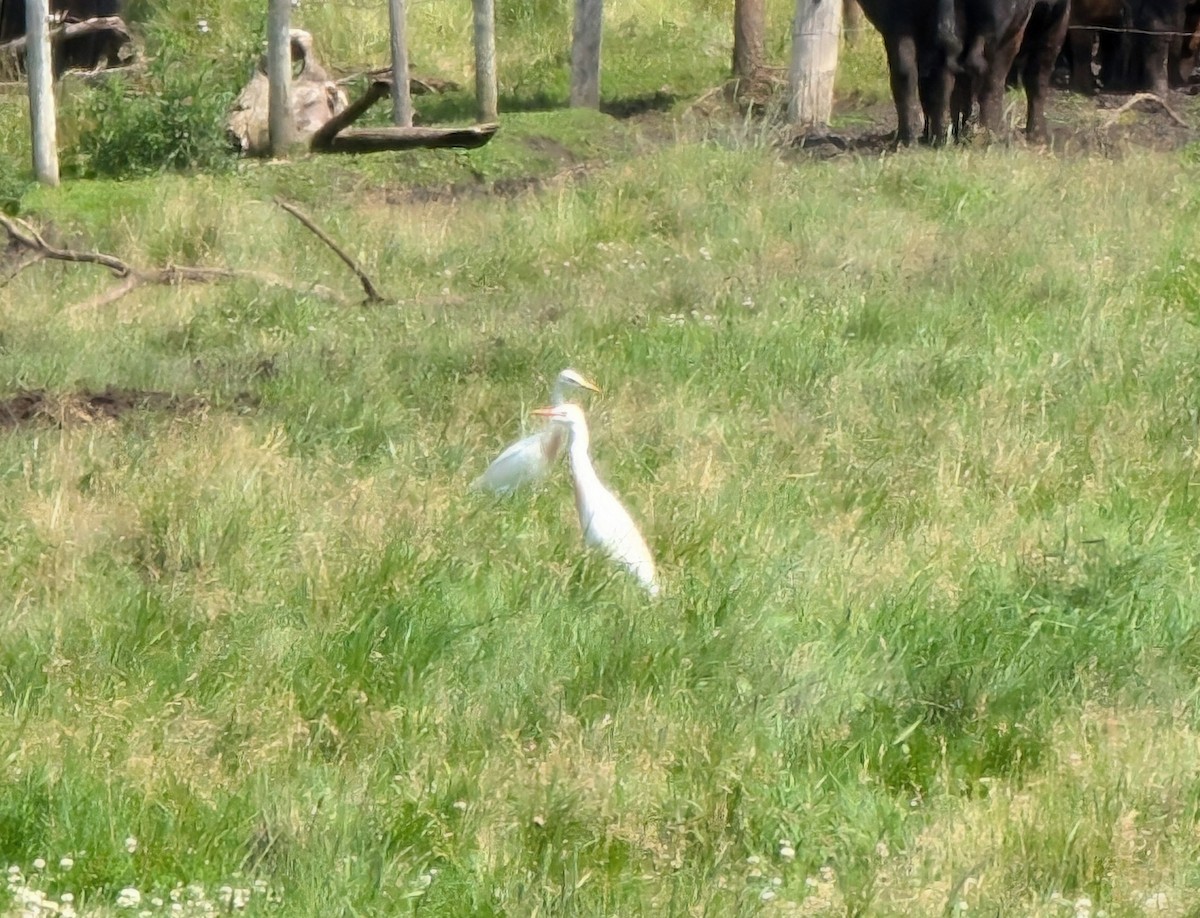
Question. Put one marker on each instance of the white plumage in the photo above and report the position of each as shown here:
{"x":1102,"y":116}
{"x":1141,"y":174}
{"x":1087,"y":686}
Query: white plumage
{"x":530,"y":458}
{"x":606,"y":524}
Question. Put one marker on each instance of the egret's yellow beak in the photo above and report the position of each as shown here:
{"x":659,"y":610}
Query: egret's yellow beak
{"x":542,"y":412}
{"x":589,"y":385}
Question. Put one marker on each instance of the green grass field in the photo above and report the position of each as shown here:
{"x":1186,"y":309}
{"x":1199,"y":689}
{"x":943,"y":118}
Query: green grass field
{"x":913,"y":439}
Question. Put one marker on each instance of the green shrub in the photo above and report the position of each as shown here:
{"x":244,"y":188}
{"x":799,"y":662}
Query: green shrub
{"x":173,"y":120}
{"x":15,"y":181}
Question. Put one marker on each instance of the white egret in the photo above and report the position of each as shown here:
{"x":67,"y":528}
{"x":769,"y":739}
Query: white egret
{"x":606,"y":524}
{"x":530,"y":458}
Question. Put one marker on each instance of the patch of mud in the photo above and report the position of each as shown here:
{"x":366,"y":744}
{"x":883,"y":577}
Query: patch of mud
{"x":85,"y":407}
{"x":657,"y":101}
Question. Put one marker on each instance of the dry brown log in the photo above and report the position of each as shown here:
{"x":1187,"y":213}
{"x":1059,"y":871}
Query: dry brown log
{"x":373,"y":140}
{"x":112,"y":24}
{"x":335,"y":136}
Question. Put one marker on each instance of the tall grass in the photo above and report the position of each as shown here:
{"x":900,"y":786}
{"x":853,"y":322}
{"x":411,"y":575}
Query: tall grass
{"x":912,"y":437}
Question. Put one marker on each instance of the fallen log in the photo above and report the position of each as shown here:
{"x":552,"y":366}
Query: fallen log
{"x":113,"y":28}
{"x":336,"y":136}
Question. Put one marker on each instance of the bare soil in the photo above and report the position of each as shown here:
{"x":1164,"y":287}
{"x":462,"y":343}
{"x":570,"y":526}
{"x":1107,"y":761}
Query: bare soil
{"x":29,"y":407}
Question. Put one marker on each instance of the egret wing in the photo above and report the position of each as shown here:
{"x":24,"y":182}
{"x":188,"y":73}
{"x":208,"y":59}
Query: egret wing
{"x":522,"y":462}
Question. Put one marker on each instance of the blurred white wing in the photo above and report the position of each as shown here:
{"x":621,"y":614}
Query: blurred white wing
{"x":608,"y":526}
{"x":523,"y":462}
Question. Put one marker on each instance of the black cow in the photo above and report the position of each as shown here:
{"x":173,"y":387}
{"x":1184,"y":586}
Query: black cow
{"x":921,"y":42}
{"x":992,"y":32}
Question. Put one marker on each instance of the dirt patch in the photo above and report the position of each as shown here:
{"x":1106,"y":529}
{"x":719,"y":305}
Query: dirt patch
{"x":85,"y":407}
{"x":1078,"y":125}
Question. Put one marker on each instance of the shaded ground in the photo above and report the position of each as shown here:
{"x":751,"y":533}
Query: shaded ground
{"x":1078,"y":125}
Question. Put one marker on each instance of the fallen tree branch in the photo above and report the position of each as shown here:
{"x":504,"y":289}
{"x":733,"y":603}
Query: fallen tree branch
{"x":1143,"y":97}
{"x":67,"y":31}
{"x":335,"y":135}
{"x":373,"y":295}
{"x":133,"y":277}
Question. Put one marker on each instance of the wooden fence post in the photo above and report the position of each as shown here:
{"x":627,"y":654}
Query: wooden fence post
{"x":585,"y":53}
{"x":749,"y":27}
{"x":485,"y":59}
{"x":402,"y":107}
{"x":40,"y":72}
{"x":816,"y":31}
{"x":280,"y":121}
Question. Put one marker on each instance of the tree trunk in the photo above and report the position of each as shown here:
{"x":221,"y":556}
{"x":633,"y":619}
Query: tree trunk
{"x":585,"y":53}
{"x":749,"y":27}
{"x":485,"y":59}
{"x":815,"y":34}
{"x":402,"y":108}
{"x":279,"y":74}
{"x":40,"y":73}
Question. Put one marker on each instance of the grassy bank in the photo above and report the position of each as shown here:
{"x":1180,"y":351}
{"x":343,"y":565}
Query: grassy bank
{"x":912,"y":437}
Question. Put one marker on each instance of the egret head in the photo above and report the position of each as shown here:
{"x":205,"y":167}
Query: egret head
{"x":570,"y":379}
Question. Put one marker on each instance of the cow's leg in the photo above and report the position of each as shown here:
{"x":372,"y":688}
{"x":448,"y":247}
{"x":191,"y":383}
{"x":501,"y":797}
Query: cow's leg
{"x":1047,"y":32}
{"x":991,"y":88}
{"x":935,"y":100}
{"x":902,"y":69}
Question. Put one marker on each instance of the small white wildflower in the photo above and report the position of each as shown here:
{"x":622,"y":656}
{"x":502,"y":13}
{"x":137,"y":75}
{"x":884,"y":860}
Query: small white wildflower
{"x":460,"y":805}
{"x":176,"y":908}
{"x":39,"y":863}
{"x":67,"y":898}
{"x":882,"y":850}
{"x":705,"y":253}
{"x":776,"y":881}
{"x":131,"y":844}
{"x":202,"y":26}
{"x":787,"y":852}
{"x":157,"y":902}
{"x":753,"y":859}
{"x":767,"y":895}
{"x":66,"y":863}
{"x":129,"y":897}
{"x":1155,"y":903}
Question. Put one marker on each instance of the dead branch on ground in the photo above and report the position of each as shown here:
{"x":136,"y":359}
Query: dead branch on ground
{"x":134,"y":276}
{"x":1143,"y":97}
{"x":373,"y":295}
{"x":335,"y":135}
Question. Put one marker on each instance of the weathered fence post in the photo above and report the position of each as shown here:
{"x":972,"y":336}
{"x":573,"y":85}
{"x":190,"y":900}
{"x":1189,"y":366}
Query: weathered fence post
{"x":40,"y":72}
{"x":585,"y":53}
{"x":279,"y":74}
{"x":402,"y":108}
{"x":815,"y":34}
{"x":485,"y":59}
{"x":749,"y":27}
